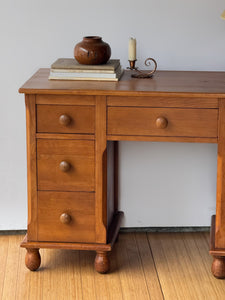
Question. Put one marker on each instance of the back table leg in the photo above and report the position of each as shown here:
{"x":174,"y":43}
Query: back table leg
{"x":218,"y":223}
{"x":218,"y":267}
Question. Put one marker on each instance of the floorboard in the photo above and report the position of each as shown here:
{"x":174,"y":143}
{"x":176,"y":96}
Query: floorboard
{"x":183,"y":264}
{"x":4,"y":242}
{"x":11,"y":269}
{"x":148,"y":266}
{"x":144,"y":266}
{"x":131,"y":272}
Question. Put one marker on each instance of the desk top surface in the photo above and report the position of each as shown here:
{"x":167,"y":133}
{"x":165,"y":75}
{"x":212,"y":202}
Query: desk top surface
{"x":209,"y":84}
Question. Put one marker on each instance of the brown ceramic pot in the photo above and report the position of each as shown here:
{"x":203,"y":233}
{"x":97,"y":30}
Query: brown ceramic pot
{"x":92,"y":51}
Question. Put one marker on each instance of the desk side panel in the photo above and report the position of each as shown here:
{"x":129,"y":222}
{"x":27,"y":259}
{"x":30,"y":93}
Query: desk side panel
{"x":110,"y":181}
{"x":220,"y":203}
{"x":31,"y":166}
{"x":101,"y":170}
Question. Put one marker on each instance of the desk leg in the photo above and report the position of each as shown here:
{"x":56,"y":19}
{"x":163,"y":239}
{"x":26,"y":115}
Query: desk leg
{"x":102,"y":262}
{"x":218,"y":222}
{"x":218,"y":267}
{"x":32,"y":259}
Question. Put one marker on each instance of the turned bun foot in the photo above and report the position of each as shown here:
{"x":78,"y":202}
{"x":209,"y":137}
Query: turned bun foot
{"x":32,"y":259}
{"x":101,"y":262}
{"x":218,"y":267}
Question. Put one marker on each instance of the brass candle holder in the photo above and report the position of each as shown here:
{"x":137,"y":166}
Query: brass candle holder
{"x":142,"y":74}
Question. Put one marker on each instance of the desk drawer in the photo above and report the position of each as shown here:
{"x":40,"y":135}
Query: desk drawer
{"x":162,"y":121}
{"x":66,"y":119}
{"x":66,"y":217}
{"x":65,"y":165}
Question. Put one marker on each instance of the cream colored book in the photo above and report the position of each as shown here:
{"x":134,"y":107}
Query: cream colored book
{"x":82,"y":71}
{"x":85,"y":76}
{"x":71,"y":65}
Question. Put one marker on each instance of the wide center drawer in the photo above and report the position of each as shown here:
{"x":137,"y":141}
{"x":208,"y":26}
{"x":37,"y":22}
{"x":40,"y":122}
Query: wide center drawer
{"x":66,"y":119}
{"x":162,"y":121}
{"x":65,"y":165}
{"x":66,"y":217}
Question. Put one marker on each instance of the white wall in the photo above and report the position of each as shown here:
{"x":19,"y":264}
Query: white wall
{"x":168,"y":184}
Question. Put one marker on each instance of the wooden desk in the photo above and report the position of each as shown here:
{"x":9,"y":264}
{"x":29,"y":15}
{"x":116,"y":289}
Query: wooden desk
{"x":72,"y":133}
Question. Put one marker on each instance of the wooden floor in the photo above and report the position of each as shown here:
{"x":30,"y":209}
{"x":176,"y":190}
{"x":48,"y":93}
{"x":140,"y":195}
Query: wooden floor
{"x":143,"y":266}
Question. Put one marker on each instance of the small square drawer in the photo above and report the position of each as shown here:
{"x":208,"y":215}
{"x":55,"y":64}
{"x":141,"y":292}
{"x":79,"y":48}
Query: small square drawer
{"x":66,"y":217}
{"x":65,"y":165}
{"x":65,"y":119}
{"x":177,"y":122}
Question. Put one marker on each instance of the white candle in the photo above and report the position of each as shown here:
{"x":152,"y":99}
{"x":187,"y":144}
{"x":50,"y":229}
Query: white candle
{"x":132,"y":49}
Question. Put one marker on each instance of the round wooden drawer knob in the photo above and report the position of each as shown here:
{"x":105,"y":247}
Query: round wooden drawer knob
{"x":64,"y":166}
{"x":65,"y":218}
{"x":64,"y":120}
{"x":161,"y":122}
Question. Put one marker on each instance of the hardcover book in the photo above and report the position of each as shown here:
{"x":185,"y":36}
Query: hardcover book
{"x":86,"y":75}
{"x":71,"y":64}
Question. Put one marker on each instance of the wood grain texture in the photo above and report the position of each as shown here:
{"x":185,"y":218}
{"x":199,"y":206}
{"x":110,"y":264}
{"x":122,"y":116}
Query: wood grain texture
{"x":132,"y":276}
{"x":202,"y":244}
{"x":145,"y":138}
{"x":101,"y":170}
{"x":197,"y":247}
{"x":113,"y":232}
{"x":81,"y":119}
{"x":183,"y":266}
{"x":108,"y":286}
{"x":79,"y":206}
{"x":110,"y":183}
{"x":67,"y":136}
{"x":218,"y":264}
{"x":143,"y":121}
{"x":220,"y":202}
{"x":218,"y":267}
{"x":65,"y":245}
{"x":189,"y":84}
{"x":102,"y":263}
{"x":163,"y":101}
{"x":31,"y":167}
{"x":31,"y":280}
{"x":32,"y":259}
{"x":148,"y":266}
{"x":172,"y":106}
{"x":213,"y":250}
{"x":116,"y":175}
{"x":65,"y":100}
{"x":4,"y":250}
{"x":61,"y":278}
{"x":80,"y":154}
{"x":135,"y":271}
{"x":89,"y":290}
{"x":11,"y":269}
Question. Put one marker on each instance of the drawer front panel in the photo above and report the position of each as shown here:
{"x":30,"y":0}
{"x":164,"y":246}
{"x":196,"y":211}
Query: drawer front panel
{"x":65,"y":119}
{"x":163,"y":101}
{"x":65,"y":99}
{"x":162,"y":121}
{"x":65,"y":165}
{"x":66,"y":217}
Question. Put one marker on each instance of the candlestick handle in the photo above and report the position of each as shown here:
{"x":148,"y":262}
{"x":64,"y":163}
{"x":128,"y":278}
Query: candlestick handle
{"x":148,"y":63}
{"x":142,"y":74}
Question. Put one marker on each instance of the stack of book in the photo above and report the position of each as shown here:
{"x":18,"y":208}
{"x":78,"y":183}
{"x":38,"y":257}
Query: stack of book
{"x":70,"y":69}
